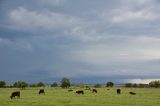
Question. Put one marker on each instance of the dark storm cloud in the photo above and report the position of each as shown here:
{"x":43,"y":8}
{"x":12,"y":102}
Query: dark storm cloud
{"x":82,"y":39}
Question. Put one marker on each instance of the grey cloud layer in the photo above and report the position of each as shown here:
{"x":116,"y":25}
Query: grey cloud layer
{"x":80,"y":38}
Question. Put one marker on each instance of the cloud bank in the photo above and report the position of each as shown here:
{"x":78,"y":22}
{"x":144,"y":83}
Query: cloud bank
{"x":106,"y":40}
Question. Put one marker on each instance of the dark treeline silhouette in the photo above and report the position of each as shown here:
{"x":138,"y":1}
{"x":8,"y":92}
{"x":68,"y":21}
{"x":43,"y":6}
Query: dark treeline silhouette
{"x":2,"y":84}
{"x":66,"y":83}
{"x":134,"y":85}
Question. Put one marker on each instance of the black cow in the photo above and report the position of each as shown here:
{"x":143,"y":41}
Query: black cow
{"x":118,"y":91}
{"x":94,"y":90}
{"x":41,"y":91}
{"x":80,"y":92}
{"x":70,"y":90}
{"x":14,"y":94}
{"x":132,"y":93}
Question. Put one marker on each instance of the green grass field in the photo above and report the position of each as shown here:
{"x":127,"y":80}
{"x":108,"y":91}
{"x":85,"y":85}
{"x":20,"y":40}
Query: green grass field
{"x":61,"y":97}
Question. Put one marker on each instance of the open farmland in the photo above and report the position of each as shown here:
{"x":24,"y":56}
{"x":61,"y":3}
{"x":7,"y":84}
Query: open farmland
{"x":61,"y":97}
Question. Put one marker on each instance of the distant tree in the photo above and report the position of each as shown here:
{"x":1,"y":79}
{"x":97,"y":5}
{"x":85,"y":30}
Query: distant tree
{"x":33,"y":85}
{"x":97,"y":85}
{"x":20,"y":84}
{"x":2,"y":84}
{"x":134,"y":85}
{"x":143,"y":85}
{"x":155,"y":84}
{"x":40,"y":84}
{"x":87,"y":87}
{"x":128,"y":85}
{"x":65,"y":83}
{"x":109,"y":84}
{"x":54,"y":84}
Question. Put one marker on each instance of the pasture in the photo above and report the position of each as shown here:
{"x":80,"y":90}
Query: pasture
{"x":62,"y":97}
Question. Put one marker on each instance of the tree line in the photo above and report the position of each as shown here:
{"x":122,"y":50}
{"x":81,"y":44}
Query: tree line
{"x":66,"y":83}
{"x":152,"y":84}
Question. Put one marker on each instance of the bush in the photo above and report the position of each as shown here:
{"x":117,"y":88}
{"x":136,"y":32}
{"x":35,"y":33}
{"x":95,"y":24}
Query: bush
{"x":97,"y":85}
{"x":128,"y":85}
{"x":20,"y":84}
{"x":40,"y":84}
{"x":2,"y":84}
{"x":134,"y":85}
{"x":54,"y":84}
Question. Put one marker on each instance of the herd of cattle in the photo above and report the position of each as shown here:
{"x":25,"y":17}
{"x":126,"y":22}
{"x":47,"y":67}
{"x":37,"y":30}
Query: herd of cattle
{"x":41,"y":91}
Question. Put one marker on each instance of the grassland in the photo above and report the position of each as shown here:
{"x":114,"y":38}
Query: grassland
{"x":61,"y":97}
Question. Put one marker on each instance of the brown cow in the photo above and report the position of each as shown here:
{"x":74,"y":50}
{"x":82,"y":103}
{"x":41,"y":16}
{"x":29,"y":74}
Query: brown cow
{"x":80,"y":92}
{"x":94,"y":90}
{"x":14,"y":94}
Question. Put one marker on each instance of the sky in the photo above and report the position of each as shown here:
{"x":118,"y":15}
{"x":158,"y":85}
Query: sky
{"x":88,"y":41}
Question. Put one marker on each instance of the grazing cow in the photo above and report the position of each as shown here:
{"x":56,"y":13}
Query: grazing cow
{"x":70,"y":90}
{"x":132,"y":93}
{"x":41,"y":91}
{"x":80,"y":92}
{"x":118,"y":91}
{"x":14,"y":94}
{"x":94,"y":90}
